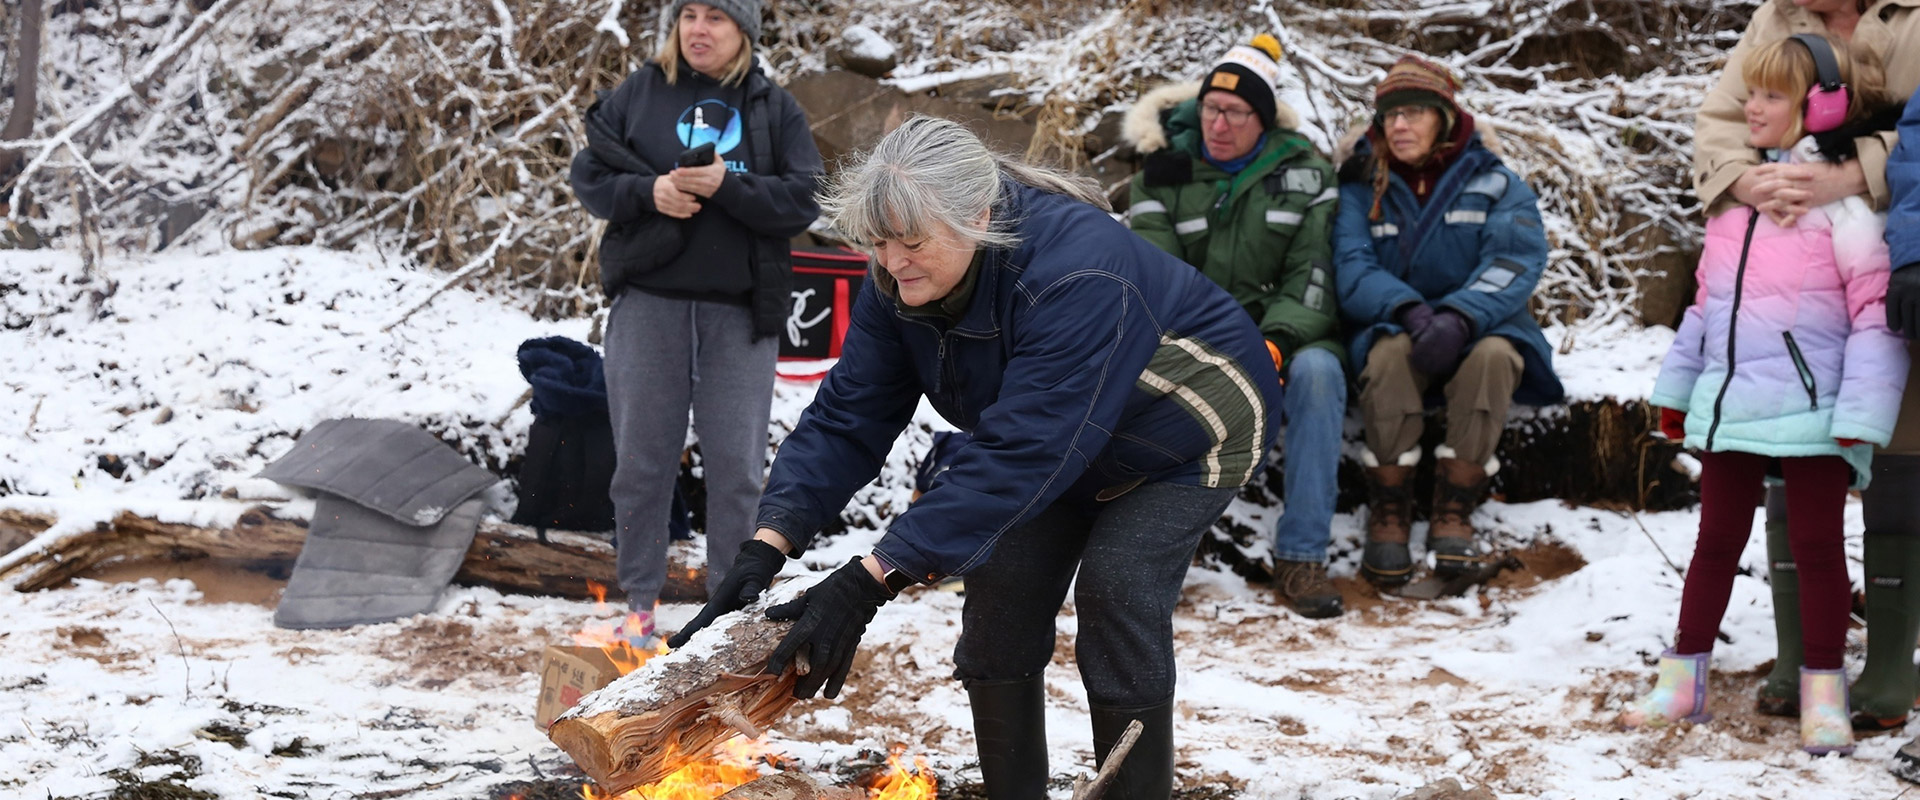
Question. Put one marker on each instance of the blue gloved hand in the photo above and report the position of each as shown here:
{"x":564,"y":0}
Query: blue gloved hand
{"x":752,"y":572}
{"x":832,"y":617}
{"x":1438,"y":348}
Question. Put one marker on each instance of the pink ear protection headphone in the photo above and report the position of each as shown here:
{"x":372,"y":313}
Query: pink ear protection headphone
{"x":1827,"y":100}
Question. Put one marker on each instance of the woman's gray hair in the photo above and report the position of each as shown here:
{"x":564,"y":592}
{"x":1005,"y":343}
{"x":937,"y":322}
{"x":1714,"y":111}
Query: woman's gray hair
{"x":931,"y":172}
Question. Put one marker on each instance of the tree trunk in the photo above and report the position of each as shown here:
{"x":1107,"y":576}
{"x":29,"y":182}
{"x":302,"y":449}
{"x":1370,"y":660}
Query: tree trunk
{"x":26,"y":83}
{"x":672,"y":710}
{"x":511,"y":558}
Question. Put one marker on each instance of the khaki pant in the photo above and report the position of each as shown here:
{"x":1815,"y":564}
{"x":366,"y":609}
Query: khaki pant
{"x":1478,"y":395}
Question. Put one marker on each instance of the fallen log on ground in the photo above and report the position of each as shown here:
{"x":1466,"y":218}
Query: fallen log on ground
{"x":504,"y":556}
{"x":672,"y":710}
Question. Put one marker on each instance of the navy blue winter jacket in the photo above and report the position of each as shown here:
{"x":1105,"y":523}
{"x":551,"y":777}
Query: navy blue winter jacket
{"x":1087,"y":363}
{"x":1475,"y":247}
{"x":1903,"y":180}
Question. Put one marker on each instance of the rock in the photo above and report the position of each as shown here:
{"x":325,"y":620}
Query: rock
{"x":987,"y":91}
{"x":1449,"y":789}
{"x":849,"y":112}
{"x":864,"y":51}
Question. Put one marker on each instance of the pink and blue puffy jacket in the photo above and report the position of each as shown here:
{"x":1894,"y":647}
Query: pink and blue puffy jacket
{"x":1785,"y":348}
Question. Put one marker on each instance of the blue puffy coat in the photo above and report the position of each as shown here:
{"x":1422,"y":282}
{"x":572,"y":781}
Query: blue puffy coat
{"x":1903,"y":180}
{"x":1475,"y":247}
{"x":1086,"y":363}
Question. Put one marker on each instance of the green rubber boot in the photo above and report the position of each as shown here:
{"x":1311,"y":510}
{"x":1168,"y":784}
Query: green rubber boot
{"x":1885,"y":692}
{"x":1780,"y":693}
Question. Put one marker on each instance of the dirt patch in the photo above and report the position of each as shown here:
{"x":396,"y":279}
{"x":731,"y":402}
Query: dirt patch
{"x":1441,"y":677}
{"x":218,"y":581}
{"x":1544,"y":560}
{"x":437,"y":652}
{"x":91,"y":643}
{"x":86,"y":638}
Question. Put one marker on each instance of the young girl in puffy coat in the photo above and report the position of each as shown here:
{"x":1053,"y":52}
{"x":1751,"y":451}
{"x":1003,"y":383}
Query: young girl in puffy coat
{"x":1783,"y":364}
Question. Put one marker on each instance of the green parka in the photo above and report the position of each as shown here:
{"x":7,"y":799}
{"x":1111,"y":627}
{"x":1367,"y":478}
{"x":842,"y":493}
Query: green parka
{"x":1265,"y":235}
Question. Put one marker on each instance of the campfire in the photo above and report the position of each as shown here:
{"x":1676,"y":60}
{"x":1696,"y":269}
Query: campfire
{"x":738,"y":761}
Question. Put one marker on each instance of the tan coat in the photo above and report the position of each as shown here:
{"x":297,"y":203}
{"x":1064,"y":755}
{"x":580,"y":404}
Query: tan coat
{"x":1890,"y":30}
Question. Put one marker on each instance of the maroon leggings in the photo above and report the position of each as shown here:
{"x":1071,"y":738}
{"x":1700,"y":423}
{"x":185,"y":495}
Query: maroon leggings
{"x":1731,"y":485}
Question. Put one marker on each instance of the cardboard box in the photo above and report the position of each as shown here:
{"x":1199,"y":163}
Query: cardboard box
{"x":568,"y":673}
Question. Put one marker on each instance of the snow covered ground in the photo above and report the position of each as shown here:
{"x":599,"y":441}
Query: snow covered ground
{"x":162,"y":383}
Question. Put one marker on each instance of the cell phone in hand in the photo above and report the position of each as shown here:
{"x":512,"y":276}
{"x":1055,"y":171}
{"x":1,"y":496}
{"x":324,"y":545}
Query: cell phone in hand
{"x":696,"y":157}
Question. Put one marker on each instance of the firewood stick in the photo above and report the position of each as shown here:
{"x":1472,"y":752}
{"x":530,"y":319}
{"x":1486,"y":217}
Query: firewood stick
{"x":1085,"y":790}
{"x":728,"y":710}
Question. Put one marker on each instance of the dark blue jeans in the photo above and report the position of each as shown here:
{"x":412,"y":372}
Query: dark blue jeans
{"x":1130,"y":555}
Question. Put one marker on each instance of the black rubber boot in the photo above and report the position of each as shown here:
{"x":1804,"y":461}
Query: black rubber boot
{"x":1780,"y":692}
{"x":1884,"y":694}
{"x":1147,"y":774}
{"x":1010,"y":731}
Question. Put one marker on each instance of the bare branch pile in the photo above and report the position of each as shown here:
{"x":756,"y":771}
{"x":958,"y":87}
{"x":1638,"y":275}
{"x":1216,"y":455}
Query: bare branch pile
{"x":440,"y":131}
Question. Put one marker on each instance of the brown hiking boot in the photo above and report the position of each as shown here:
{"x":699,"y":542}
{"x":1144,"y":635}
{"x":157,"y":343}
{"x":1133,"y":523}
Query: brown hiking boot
{"x":1457,"y":488}
{"x":1385,"y":561}
{"x":1304,"y":587}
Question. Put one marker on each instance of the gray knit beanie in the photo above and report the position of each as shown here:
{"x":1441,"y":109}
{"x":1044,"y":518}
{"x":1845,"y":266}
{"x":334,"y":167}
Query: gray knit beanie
{"x":745,"y":13}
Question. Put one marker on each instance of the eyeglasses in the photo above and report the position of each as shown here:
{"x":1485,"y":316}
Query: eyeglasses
{"x":1408,"y":113}
{"x":1235,"y":116}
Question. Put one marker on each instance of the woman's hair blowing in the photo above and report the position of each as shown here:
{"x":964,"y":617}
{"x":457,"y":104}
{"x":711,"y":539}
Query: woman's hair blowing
{"x":928,"y":173}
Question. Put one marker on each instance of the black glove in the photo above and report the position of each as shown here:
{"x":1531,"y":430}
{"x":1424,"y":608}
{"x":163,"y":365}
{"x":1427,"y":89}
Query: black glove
{"x":1437,"y":349}
{"x":833,"y":614}
{"x":1903,"y":301}
{"x":752,"y":573}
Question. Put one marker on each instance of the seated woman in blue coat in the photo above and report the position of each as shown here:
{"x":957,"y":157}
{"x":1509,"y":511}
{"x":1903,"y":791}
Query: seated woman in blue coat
{"x":1437,"y":247}
{"x":1116,"y":397}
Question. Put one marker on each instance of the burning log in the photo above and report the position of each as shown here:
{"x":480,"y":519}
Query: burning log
{"x":511,"y":558}
{"x":675,"y":708}
{"x":791,"y":786}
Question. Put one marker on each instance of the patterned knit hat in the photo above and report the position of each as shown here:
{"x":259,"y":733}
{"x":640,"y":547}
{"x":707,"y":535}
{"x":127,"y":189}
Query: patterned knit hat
{"x":1412,"y":81}
{"x":1416,"y":81}
{"x":745,"y":13}
{"x":1251,"y":72}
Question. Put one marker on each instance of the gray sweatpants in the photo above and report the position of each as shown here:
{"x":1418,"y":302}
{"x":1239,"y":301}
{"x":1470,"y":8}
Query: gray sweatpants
{"x":664,"y":358}
{"x":1131,"y":555}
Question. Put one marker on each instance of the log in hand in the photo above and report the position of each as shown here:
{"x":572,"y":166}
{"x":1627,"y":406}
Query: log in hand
{"x":831,"y":616}
{"x":671,"y":200}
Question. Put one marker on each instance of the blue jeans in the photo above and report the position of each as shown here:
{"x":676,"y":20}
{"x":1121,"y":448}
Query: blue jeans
{"x":1314,"y":403}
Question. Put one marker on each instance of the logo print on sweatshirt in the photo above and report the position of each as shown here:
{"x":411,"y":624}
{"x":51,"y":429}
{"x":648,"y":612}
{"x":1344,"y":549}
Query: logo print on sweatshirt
{"x":709,"y":121}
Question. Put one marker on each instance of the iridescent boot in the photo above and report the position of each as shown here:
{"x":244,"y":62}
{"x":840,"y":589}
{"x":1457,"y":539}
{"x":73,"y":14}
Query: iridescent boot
{"x":1680,"y":694}
{"x":1823,"y":712}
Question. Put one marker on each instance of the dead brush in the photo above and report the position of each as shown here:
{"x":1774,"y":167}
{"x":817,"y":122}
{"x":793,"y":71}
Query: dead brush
{"x":442,"y":130}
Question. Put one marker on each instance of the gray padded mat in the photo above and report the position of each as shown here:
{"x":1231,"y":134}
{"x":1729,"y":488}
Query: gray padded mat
{"x":360,"y":566}
{"x":386,"y":465}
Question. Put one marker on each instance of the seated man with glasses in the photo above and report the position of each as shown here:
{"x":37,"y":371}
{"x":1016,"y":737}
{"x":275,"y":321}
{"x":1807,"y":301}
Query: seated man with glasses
{"x":1230,"y":187}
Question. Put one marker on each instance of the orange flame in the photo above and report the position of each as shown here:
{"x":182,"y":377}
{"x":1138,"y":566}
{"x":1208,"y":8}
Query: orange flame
{"x":737,"y":762}
{"x":599,"y":593}
{"x":901,"y":783}
{"x":600,"y":633}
